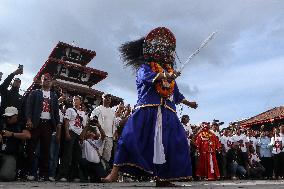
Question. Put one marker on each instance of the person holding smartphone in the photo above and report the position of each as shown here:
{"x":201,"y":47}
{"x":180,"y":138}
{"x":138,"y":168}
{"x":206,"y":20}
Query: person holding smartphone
{"x":11,"y":97}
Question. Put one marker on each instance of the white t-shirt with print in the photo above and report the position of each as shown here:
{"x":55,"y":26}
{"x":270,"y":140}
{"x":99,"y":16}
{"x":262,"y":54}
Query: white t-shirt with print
{"x":188,"y":131}
{"x":254,"y":158}
{"x":227,"y":142}
{"x":242,"y":139}
{"x":277,"y":145}
{"x":76,"y":123}
{"x":89,"y":151}
{"x":106,"y":118}
{"x":252,"y":141}
{"x":45,"y":112}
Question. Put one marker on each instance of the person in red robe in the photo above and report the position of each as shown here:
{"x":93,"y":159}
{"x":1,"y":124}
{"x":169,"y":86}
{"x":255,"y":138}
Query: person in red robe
{"x":207,"y":144}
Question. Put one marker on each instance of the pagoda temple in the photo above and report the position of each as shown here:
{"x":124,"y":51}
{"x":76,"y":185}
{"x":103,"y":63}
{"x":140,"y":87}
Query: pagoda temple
{"x":67,"y":64}
{"x":268,"y":119}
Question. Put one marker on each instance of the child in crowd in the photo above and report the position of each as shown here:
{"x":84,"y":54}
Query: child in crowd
{"x":91,"y":141}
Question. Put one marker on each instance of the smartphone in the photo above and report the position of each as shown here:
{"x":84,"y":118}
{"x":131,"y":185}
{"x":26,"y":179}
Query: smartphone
{"x":21,"y":66}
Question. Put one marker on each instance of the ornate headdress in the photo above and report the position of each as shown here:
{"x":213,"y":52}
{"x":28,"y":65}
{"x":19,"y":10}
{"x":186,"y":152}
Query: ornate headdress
{"x":159,"y":46}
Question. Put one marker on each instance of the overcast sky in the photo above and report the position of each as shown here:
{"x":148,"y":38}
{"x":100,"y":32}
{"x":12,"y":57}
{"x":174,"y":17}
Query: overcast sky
{"x":238,"y":75}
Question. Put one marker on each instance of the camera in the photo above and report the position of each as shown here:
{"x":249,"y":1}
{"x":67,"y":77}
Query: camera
{"x":21,"y":66}
{"x":3,"y":132}
{"x":94,"y":121}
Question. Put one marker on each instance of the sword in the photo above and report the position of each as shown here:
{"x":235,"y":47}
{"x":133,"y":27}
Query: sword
{"x":205,"y":42}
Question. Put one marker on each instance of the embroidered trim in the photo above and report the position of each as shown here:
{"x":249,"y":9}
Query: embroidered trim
{"x":150,"y":172}
{"x":174,"y":179}
{"x":155,"y":105}
{"x":132,"y":165}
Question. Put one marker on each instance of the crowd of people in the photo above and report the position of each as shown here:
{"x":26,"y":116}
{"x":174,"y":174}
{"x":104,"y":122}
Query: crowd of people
{"x":239,"y":153}
{"x":45,"y":137}
{"x":48,"y":136}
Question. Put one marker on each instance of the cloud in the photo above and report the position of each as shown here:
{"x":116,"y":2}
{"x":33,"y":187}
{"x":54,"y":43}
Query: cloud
{"x":249,"y":32}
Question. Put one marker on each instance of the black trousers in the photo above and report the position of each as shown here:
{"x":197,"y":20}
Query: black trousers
{"x":281,"y":164}
{"x":277,"y":165}
{"x":70,"y":163}
{"x":43,"y":134}
{"x":267,"y":163}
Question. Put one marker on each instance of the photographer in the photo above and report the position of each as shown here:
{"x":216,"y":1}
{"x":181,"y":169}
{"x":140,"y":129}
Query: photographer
{"x":91,"y":141}
{"x":12,"y":134}
{"x":11,"y":97}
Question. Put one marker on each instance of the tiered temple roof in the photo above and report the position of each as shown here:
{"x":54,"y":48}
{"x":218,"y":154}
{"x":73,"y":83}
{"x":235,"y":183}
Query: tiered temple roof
{"x":67,"y":65}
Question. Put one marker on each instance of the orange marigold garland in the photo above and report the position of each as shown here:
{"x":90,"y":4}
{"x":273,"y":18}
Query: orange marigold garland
{"x":163,"y":87}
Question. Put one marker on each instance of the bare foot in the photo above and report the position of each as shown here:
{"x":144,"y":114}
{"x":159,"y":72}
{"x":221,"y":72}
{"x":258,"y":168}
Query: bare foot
{"x":110,"y":178}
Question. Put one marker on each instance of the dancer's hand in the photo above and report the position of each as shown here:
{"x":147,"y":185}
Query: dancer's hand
{"x":19,"y":71}
{"x":174,"y":75}
{"x":193,"y":105}
{"x":190,"y":104}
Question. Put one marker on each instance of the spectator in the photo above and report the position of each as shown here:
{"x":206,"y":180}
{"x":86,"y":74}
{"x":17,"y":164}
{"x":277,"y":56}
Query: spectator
{"x":55,"y":145}
{"x":207,"y":144}
{"x":281,"y":128}
{"x":243,"y":144}
{"x":121,"y":116}
{"x":236,"y":162}
{"x":42,"y":113}
{"x":12,"y":134}
{"x":91,"y":141}
{"x":251,"y":138}
{"x":256,"y":170}
{"x":75,"y":121}
{"x":265,"y":154}
{"x":277,"y":147}
{"x":226,"y":142}
{"x":219,"y":152}
{"x":188,"y":131}
{"x":106,"y":118}
{"x":11,"y":97}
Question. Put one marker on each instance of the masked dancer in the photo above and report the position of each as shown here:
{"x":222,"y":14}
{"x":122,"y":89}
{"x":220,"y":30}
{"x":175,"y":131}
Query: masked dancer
{"x":153,"y":139}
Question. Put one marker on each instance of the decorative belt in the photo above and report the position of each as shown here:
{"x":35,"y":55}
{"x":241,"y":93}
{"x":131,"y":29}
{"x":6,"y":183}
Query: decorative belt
{"x":155,"y":105}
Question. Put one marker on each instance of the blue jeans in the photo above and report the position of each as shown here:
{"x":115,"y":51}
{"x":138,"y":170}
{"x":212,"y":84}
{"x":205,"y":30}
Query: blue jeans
{"x":53,"y":157}
{"x":237,"y":169}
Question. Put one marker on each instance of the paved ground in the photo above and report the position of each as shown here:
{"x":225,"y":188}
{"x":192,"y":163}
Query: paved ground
{"x":195,"y":185}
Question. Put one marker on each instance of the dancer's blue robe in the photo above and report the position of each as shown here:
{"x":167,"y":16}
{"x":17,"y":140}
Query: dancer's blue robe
{"x":136,"y":145}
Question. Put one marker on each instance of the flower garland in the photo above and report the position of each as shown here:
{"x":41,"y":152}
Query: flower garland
{"x":205,"y":134}
{"x":163,"y":87}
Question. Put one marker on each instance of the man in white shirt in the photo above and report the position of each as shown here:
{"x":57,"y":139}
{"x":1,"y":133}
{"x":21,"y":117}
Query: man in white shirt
{"x":241,"y":139}
{"x":75,"y":121}
{"x":106,"y":118}
{"x":244,"y":143}
{"x":251,"y":139}
{"x":187,"y":127}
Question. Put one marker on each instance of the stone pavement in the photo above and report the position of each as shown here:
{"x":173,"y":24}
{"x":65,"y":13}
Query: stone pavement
{"x":251,"y":184}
